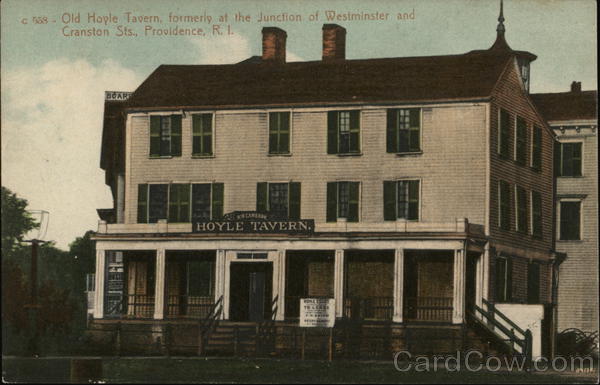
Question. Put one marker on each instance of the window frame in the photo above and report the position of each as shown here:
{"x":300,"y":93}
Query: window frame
{"x":396,"y":129}
{"x":213,"y":133}
{"x":559,"y":219}
{"x":337,"y":128}
{"x":560,"y":162}
{"x":337,"y":201}
{"x":519,"y":190}
{"x":289,"y":194}
{"x":520,"y":144}
{"x":164,"y":116}
{"x":532,"y":225}
{"x":500,"y":223}
{"x":500,"y":141}
{"x":506,"y":280}
{"x":290,"y":130}
{"x":419,"y":197}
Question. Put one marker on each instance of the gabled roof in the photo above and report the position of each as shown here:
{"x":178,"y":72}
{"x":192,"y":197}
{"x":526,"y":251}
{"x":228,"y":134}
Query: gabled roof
{"x":251,"y":83}
{"x":567,"y":105}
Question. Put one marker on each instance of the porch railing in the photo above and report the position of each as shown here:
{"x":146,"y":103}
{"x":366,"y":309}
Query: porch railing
{"x":428,"y":309}
{"x":189,"y":306}
{"x":369,"y":308}
{"x":130,"y":306}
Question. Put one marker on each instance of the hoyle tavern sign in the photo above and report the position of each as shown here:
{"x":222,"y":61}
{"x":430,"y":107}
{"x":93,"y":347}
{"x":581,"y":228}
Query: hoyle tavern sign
{"x":254,"y":222}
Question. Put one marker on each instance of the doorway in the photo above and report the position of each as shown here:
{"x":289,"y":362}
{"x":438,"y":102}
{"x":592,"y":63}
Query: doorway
{"x":250,"y":291}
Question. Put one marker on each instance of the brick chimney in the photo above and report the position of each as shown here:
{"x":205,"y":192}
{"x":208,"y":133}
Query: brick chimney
{"x":576,"y":87}
{"x":273,"y":44}
{"x":334,"y":42}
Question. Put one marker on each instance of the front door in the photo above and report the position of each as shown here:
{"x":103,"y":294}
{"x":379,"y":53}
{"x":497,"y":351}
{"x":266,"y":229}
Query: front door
{"x":250,"y":291}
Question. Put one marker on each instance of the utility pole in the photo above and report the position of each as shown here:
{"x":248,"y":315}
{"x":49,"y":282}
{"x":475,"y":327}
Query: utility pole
{"x":33,"y":305}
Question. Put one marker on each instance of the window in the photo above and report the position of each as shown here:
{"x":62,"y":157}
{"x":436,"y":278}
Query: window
{"x":165,"y":135}
{"x":569,"y":159}
{"x":533,"y":282}
{"x":156,"y":200}
{"x":279,"y":133}
{"x":342,"y":201}
{"x":503,"y":279}
{"x":404,"y":130}
{"x":199,"y":278}
{"x":343,"y":132}
{"x":401,"y":200}
{"x":536,"y":148}
{"x":279,"y":199}
{"x":202,"y":134}
{"x":521,"y":144}
{"x":522,"y":209}
{"x":179,"y":203}
{"x":252,"y":255}
{"x":504,"y":205}
{"x":536,"y":214}
{"x":570,"y":220}
{"x":504,"y":133}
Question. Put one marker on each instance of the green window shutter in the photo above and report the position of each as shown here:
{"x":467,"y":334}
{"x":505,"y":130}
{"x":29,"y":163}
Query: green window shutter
{"x":353,"y":199}
{"x":207,"y":132}
{"x":332,"y":193}
{"x":332,"y":132}
{"x":533,"y":283}
{"x":536,"y":156}
{"x":175,"y":135}
{"x":504,"y":137}
{"x":500,"y":279}
{"x":294,"y":200}
{"x":389,"y":200}
{"x":576,"y":159}
{"x":154,"y":135}
{"x":173,"y":202}
{"x":142,"y":210}
{"x":415,"y":129}
{"x":284,"y":133}
{"x":413,"y":199}
{"x":392,"y":131}
{"x":261,"y":197}
{"x":521,"y":141}
{"x":217,"y":200}
{"x":536,"y":205}
{"x":557,"y":159}
{"x":273,"y":133}
{"x":355,"y":131}
{"x":179,"y":203}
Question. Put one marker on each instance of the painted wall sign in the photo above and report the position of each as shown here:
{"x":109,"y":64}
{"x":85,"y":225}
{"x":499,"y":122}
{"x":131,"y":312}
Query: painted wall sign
{"x":317,"y":312}
{"x":254,"y":222}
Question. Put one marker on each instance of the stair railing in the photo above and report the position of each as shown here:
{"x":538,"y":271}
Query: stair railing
{"x":511,"y":334}
{"x":208,"y":323}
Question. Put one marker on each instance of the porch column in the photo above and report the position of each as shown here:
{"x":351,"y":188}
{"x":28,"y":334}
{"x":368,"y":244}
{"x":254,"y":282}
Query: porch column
{"x":99,"y":293}
{"x":220,"y":278}
{"x":485,"y":272}
{"x":280,"y":315}
{"x":338,"y":282}
{"x":159,"y":286}
{"x":458,"y":299}
{"x":398,"y":284}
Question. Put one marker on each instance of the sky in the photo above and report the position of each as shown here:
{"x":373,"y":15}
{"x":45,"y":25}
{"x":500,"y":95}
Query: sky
{"x":53,"y":85}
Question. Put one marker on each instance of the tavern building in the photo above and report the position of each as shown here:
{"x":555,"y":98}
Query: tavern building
{"x":411,"y":191}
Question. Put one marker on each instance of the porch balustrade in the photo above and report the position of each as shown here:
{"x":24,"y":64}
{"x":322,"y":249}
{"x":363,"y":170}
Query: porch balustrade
{"x":189,"y":306}
{"x":369,"y":308}
{"x":428,"y":309}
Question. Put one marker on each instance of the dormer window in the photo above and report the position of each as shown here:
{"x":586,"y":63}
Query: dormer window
{"x":524,"y":67}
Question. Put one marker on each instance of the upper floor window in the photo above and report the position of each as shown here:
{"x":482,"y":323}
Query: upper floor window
{"x":504,"y":205}
{"x":522,"y":209}
{"x":342,"y":201}
{"x":202,"y":135}
{"x":504,"y":133}
{"x":279,"y":133}
{"x":521,"y":141}
{"x":178,"y":202}
{"x":536,"y":148}
{"x":403,"y":130}
{"x":568,"y":159}
{"x":279,"y":199}
{"x":533,"y":282}
{"x":503,"y":279}
{"x":570,"y":220}
{"x":536,"y":214}
{"x":165,"y":135}
{"x":343,"y":132}
{"x":401,"y":200}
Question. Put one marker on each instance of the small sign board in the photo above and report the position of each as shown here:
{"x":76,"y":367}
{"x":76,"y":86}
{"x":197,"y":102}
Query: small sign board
{"x":116,"y":95}
{"x":317,"y":312}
